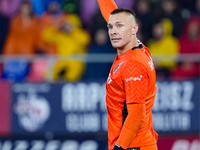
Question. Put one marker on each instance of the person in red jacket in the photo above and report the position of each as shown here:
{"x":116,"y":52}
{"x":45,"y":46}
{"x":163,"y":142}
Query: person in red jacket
{"x":189,"y":44}
{"x":131,"y":85}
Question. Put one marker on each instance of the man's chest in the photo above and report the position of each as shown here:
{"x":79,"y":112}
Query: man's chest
{"x":115,"y":81}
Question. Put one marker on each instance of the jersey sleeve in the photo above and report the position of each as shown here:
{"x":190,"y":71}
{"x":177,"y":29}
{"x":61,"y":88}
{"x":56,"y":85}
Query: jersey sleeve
{"x":136,"y":79}
{"x":106,"y":7}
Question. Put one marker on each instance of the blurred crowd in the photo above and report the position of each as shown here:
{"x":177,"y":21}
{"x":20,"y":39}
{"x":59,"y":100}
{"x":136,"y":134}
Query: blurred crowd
{"x":63,"y":28}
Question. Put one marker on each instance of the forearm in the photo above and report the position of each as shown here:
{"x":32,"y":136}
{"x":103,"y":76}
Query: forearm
{"x":132,"y":124}
{"x":106,"y":7}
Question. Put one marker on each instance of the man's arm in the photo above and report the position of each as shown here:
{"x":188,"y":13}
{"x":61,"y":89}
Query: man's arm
{"x":132,"y":124}
{"x":106,"y":7}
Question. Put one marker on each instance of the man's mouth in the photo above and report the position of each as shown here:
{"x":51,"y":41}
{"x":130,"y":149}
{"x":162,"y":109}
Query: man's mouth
{"x":115,"y":39}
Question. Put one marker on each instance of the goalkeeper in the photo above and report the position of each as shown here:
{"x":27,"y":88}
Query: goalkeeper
{"x":131,"y":84}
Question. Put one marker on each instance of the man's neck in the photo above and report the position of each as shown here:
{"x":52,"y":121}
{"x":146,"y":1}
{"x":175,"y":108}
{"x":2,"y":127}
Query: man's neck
{"x":133,"y":43}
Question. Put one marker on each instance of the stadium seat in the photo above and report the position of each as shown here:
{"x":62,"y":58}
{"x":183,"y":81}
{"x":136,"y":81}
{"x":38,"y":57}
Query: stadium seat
{"x":38,"y":70}
{"x":15,"y":69}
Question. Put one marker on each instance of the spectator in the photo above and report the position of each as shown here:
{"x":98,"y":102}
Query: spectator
{"x":162,"y":44}
{"x":171,"y":10}
{"x":189,"y":44}
{"x":144,"y":15}
{"x":54,"y":16}
{"x":190,"y":39}
{"x":69,"y":38}
{"x":100,"y":45}
{"x":23,"y":39}
{"x":97,"y":23}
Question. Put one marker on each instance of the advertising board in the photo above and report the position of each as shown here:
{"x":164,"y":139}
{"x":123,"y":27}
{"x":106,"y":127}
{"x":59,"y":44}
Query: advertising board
{"x":80,"y":107}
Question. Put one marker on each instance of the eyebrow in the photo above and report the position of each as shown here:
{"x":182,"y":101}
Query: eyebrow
{"x":115,"y":23}
{"x":119,"y":22}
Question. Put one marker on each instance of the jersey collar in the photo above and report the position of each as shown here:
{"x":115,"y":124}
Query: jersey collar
{"x":139,"y":46}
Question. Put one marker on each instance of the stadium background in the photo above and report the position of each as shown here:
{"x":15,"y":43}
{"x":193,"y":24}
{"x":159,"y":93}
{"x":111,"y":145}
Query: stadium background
{"x":44,"y":114}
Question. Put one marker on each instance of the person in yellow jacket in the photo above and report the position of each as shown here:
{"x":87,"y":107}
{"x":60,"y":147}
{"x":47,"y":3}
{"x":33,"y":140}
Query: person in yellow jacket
{"x":70,"y":38}
{"x":164,"y":47}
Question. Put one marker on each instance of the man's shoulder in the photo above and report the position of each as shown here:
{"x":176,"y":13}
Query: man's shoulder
{"x":141,"y":55}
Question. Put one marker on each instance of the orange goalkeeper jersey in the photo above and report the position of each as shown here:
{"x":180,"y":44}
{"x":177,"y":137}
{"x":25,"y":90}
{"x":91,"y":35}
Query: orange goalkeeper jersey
{"x":132,"y":79}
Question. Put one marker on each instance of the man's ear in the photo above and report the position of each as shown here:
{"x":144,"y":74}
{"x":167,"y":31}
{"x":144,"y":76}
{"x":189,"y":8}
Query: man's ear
{"x":134,"y":29}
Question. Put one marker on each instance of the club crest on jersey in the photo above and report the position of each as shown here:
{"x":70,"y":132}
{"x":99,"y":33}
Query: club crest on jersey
{"x":116,"y":68}
{"x":109,"y":80}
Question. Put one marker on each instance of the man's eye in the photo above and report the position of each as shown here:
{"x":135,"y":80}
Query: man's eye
{"x":119,"y":25}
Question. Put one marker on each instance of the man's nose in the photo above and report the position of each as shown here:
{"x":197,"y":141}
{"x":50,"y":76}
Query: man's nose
{"x":113,"y":31}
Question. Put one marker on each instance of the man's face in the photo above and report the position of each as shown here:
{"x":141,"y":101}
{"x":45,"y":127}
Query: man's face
{"x":120,"y":29}
{"x":25,"y":9}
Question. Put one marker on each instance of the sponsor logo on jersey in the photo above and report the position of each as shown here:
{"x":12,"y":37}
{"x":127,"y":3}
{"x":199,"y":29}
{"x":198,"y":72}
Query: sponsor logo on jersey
{"x":138,"y":78}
